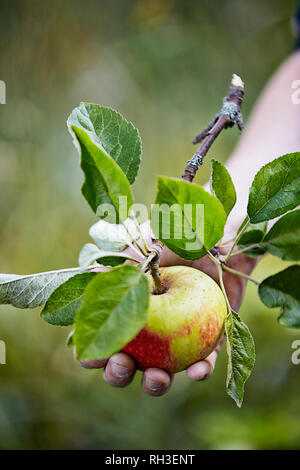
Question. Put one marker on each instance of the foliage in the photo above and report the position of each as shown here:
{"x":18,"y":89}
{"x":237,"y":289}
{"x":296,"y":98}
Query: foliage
{"x":109,"y":308}
{"x":185,"y":234}
{"x":113,"y":311}
{"x":241,"y":356}
{"x":275,"y":188}
{"x":282,"y":290}
{"x":222,"y":186}
{"x":47,"y":401}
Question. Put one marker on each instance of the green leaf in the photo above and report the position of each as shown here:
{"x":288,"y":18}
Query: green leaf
{"x":241,"y":356}
{"x":282,"y":290}
{"x":186,"y":218}
{"x":275,"y":189}
{"x":65,"y":301}
{"x":113,"y":135}
{"x":254,"y":234}
{"x":114,"y":310}
{"x":105,"y":183}
{"x":283,"y":240}
{"x":91,"y":253}
{"x":32,"y":290}
{"x":222,"y":186}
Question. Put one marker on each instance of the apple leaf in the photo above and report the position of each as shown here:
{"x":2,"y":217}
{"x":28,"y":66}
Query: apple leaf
{"x":282,"y":290}
{"x":30,"y":291}
{"x":283,"y":239}
{"x":110,"y":131}
{"x":91,"y":253}
{"x":253,"y":235}
{"x":241,"y":356}
{"x":275,"y":188}
{"x":64,"y":302}
{"x":186,"y":218}
{"x":114,"y":237}
{"x":222,"y":186}
{"x":105,"y":183}
{"x":113,"y":311}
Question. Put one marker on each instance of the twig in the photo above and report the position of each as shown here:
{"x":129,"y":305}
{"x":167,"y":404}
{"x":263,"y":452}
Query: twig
{"x":236,"y":239}
{"x":244,"y":250}
{"x":229,"y":115}
{"x":239,"y":273}
{"x":220,"y":273}
{"x":226,"y":242}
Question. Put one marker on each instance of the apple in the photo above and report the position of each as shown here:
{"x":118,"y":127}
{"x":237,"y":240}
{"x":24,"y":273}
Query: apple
{"x":184,"y":323}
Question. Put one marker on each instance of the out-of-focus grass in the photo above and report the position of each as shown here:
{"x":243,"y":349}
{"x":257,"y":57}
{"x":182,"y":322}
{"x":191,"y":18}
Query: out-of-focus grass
{"x":165,"y":66}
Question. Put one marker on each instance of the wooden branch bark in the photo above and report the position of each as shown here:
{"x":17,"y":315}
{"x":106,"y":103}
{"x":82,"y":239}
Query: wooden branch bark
{"x":229,"y":115}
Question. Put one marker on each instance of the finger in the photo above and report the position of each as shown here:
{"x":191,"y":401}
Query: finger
{"x":202,"y":370}
{"x":168,"y":258}
{"x":119,"y":370}
{"x":93,"y":363}
{"x":156,"y":382}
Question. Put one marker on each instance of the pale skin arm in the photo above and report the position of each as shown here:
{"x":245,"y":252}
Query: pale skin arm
{"x":272,"y":130}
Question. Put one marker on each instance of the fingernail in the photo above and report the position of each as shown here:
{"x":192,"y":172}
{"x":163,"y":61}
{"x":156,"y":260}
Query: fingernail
{"x":119,"y":371}
{"x":154,"y":386}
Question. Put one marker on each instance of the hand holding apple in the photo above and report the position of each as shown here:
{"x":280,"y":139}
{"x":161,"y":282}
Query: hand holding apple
{"x":180,"y":322}
{"x":184,"y":323}
{"x":120,"y":368}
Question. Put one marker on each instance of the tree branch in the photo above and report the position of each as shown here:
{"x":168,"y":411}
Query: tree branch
{"x":229,"y":115}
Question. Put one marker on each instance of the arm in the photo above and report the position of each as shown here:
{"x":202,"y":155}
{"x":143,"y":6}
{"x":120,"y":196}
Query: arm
{"x":273,"y":130}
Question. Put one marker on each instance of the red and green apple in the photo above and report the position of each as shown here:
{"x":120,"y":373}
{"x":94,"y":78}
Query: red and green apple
{"x":184,"y":323}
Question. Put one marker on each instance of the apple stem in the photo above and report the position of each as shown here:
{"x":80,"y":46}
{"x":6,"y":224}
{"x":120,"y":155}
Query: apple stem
{"x":152,"y":264}
{"x":156,"y":277}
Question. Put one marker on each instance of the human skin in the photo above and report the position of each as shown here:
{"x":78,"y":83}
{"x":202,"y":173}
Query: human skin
{"x":272,"y":130}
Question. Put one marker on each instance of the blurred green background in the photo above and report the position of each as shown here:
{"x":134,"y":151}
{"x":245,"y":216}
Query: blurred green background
{"x":165,"y":65}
